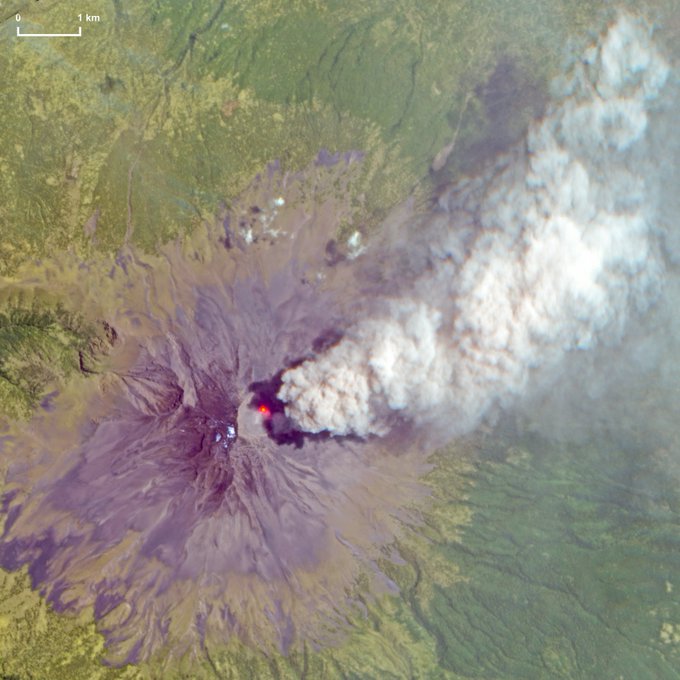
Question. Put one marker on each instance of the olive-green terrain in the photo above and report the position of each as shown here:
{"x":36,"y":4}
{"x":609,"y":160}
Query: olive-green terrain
{"x":530,"y":561}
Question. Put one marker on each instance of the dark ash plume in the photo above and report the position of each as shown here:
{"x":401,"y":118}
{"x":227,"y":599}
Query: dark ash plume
{"x":551,"y":251}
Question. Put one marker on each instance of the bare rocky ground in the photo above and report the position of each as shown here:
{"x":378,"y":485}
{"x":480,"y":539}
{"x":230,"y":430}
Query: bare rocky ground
{"x":532,"y":559}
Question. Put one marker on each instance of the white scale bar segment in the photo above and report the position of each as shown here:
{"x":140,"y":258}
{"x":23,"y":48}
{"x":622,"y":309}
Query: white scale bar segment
{"x":50,"y":35}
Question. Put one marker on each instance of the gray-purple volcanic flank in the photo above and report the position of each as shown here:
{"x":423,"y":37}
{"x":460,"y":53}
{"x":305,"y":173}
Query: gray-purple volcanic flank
{"x":156,"y":491}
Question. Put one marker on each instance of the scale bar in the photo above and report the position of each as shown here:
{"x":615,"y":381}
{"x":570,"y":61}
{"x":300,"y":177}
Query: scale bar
{"x":49,"y":35}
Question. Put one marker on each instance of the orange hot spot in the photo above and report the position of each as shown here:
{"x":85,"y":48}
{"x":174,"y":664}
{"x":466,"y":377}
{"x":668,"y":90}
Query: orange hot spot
{"x":264,"y":410}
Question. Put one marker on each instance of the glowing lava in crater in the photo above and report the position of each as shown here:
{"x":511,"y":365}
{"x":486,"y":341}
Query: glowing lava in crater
{"x":169,"y":492}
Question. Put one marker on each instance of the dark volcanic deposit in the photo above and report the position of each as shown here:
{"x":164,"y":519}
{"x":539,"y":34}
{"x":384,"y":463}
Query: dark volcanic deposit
{"x":175,"y":492}
{"x":168,"y":491}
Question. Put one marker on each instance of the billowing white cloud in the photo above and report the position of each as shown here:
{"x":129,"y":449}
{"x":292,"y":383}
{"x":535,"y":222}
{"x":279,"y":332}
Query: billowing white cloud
{"x":558,"y":251}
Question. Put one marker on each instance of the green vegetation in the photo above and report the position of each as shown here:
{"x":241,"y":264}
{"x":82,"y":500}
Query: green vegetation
{"x":159,"y":112}
{"x":41,"y":345}
{"x":36,"y":644}
{"x":544,"y":562}
{"x":572,"y":557}
{"x":541,"y":563}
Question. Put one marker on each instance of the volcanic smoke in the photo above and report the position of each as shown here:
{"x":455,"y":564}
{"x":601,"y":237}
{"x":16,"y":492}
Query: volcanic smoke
{"x":167,"y":491}
{"x":173,"y":493}
{"x":552,"y":250}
